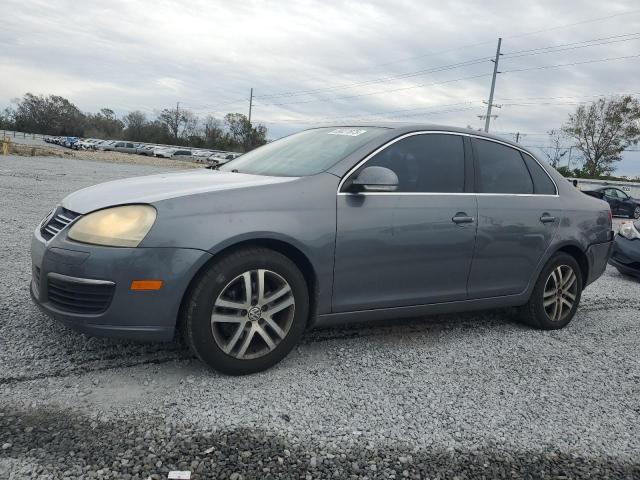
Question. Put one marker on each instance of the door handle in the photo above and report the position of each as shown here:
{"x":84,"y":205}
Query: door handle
{"x":546,"y":218}
{"x":462,"y":217}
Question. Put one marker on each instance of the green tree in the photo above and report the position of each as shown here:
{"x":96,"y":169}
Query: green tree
{"x":603,"y":130}
{"x":52,"y":115}
{"x":134,"y":123}
{"x":103,"y":124}
{"x":243,"y":133}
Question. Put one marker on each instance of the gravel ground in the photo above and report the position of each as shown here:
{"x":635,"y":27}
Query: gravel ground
{"x":455,"y":396}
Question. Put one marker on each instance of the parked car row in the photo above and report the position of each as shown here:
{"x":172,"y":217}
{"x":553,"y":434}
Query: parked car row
{"x":211,"y":157}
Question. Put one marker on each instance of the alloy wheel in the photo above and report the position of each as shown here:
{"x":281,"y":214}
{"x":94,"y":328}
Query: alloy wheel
{"x":252,"y":314}
{"x":636,"y":212}
{"x":560,"y":292}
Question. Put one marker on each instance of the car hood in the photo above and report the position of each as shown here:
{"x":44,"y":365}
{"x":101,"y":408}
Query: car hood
{"x":154,"y":188}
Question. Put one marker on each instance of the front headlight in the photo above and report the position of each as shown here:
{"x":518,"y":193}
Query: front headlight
{"x":124,"y":226}
{"x":628,"y":230}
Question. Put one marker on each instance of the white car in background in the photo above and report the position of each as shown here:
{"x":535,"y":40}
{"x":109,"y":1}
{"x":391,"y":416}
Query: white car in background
{"x":172,"y":152}
{"x":146,"y":150}
{"x":201,"y":155}
{"x":105,"y":145}
{"x":163,"y":152}
{"x":84,"y":144}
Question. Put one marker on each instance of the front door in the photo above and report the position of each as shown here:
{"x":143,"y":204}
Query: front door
{"x":407,"y":247}
{"x":518,"y":214}
{"x":611,"y":196}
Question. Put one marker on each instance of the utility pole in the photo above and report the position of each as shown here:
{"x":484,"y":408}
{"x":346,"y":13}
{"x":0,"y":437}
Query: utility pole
{"x":177,"y":119}
{"x":250,"y":104}
{"x":487,"y":119}
{"x":517,"y":137}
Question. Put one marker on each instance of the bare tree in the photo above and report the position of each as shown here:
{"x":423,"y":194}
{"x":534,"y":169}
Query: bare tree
{"x":175,"y":120}
{"x":603,"y":130}
{"x":557,"y":150}
{"x":213,"y":132}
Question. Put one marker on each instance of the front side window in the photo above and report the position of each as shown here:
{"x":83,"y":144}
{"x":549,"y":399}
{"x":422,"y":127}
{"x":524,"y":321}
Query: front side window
{"x":501,"y":169}
{"x":425,"y":163}
{"x":621,"y":194}
{"x":305,"y":153}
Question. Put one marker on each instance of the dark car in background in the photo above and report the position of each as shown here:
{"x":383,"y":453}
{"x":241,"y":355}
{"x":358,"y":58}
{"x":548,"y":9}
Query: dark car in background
{"x":326,"y":226}
{"x":625,"y":255}
{"x":621,"y":204}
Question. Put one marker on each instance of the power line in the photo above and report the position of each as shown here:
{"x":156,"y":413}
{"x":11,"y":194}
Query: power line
{"x":471,"y":77}
{"x":431,"y":54}
{"x":380,"y":91}
{"x":546,"y":67}
{"x":488,"y":42}
{"x":534,"y":50}
{"x":517,"y":54}
{"x":569,"y":46}
{"x":366,"y":119}
{"x":440,"y":68}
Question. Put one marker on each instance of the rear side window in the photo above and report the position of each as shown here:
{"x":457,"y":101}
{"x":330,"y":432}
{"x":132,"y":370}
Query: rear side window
{"x":501,"y":169}
{"x":542,"y":184}
{"x":431,"y":163}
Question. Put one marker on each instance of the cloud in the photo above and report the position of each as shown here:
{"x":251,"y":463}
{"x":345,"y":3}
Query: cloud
{"x":353,"y":58}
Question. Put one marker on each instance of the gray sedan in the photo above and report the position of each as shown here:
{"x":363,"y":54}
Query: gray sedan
{"x":325,"y":226}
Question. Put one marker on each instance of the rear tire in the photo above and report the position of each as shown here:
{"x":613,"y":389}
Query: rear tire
{"x":246,"y":312}
{"x":635,"y":214}
{"x":556,"y":295}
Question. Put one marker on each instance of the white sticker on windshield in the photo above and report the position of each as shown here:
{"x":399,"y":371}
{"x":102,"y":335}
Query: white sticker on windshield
{"x":349,"y":132}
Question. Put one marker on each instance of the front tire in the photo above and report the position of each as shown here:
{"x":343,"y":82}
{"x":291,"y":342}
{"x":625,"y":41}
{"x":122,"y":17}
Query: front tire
{"x":635,"y":214}
{"x":247,"y":311}
{"x":556,"y":295}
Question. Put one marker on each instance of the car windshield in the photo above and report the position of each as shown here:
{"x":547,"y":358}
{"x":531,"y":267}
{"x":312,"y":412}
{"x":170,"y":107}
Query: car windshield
{"x":305,"y":153}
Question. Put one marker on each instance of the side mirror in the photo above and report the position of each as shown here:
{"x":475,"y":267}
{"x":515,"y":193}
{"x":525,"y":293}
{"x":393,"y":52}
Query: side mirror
{"x":375,"y":179}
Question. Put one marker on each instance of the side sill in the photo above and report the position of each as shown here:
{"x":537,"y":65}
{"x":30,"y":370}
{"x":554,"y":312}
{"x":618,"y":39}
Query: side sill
{"x":329,"y":319}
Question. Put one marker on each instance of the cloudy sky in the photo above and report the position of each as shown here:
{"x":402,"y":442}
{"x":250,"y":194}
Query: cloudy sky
{"x":328,"y":61}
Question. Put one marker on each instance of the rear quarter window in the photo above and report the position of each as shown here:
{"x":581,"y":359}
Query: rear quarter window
{"x":542,"y":184}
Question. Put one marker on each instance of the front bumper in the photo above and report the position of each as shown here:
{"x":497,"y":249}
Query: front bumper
{"x":625,"y":255}
{"x":140,"y":315}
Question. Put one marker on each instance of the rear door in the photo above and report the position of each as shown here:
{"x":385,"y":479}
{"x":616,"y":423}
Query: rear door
{"x":413,"y":246}
{"x":518,"y":214}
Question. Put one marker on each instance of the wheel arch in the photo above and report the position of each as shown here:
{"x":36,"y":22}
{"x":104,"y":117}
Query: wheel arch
{"x":580,"y":256}
{"x":281,"y":246}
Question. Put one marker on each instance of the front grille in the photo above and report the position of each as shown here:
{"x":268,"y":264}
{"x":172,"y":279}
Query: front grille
{"x":79,"y":295}
{"x":58,"y":221}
